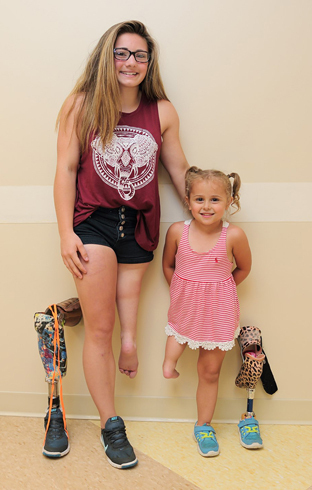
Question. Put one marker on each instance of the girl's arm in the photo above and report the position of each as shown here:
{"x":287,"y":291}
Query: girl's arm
{"x":172,"y":155}
{"x":68,"y":155}
{"x":171,"y":245}
{"x":239,"y":245}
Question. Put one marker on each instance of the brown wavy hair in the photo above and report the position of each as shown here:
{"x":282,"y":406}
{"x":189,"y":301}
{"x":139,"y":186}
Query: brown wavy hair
{"x":232,"y":191}
{"x":100,"y":108}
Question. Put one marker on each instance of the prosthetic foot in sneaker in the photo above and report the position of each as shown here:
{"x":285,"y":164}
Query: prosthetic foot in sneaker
{"x":118,"y":449}
{"x":56,"y":442}
{"x":249,"y":433}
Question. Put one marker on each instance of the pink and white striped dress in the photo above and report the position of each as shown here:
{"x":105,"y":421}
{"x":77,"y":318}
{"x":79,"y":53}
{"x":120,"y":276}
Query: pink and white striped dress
{"x":204,"y":307}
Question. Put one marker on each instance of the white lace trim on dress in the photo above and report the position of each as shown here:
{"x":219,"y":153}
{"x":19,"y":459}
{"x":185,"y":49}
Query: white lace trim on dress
{"x":194,"y":344}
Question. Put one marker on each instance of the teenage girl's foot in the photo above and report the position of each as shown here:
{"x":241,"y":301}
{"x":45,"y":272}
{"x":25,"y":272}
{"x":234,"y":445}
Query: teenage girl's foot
{"x":128,"y":359}
{"x":169,"y":369}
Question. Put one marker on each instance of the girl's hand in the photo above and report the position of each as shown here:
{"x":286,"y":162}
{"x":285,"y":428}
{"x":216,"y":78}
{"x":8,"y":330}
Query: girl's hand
{"x":73,"y":253}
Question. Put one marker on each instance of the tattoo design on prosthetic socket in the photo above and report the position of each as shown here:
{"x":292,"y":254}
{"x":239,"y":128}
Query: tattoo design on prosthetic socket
{"x":53,"y":356}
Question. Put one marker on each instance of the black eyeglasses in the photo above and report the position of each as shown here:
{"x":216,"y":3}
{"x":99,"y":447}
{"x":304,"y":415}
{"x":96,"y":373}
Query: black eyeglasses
{"x":123,"y":54}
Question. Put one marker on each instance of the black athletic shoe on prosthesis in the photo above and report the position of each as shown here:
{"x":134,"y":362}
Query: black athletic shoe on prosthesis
{"x":56,"y":443}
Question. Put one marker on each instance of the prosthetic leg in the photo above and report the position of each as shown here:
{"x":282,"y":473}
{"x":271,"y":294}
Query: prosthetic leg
{"x":52,"y":349}
{"x":249,"y":340}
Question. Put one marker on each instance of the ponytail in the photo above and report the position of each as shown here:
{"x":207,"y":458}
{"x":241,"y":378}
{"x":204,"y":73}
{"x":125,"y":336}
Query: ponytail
{"x":235,"y":190}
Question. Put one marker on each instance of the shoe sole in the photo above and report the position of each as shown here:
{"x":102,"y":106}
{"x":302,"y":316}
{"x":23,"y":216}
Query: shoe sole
{"x":254,"y":445}
{"x":211,"y":454}
{"x":123,"y":466}
{"x":57,"y":454}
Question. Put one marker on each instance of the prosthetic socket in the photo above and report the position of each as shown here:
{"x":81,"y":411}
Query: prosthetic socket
{"x":255,"y":366}
{"x":249,"y":340}
{"x":51,"y":342}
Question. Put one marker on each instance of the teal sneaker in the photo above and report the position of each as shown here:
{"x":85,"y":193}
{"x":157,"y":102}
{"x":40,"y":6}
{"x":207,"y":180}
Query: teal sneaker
{"x":249,"y":433}
{"x":207,"y":443}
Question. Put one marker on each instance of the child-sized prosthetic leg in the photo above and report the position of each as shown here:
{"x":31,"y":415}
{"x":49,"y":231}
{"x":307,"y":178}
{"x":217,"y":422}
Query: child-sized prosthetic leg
{"x":249,"y":340}
{"x":52,"y":349}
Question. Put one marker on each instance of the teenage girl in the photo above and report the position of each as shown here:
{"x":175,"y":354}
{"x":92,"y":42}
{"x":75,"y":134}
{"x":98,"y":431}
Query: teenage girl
{"x":204,"y":310}
{"x":113,"y":128}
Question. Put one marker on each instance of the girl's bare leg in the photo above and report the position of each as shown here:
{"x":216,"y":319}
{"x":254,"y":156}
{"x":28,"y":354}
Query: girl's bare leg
{"x":97,"y":295}
{"x":128,"y":293}
{"x":208,"y":367}
{"x":173,"y":352}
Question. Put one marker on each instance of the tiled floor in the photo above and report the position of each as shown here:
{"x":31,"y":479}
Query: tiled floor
{"x":168,"y":459}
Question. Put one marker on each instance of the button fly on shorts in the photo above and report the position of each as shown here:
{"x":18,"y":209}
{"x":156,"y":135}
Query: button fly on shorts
{"x":122,"y":213}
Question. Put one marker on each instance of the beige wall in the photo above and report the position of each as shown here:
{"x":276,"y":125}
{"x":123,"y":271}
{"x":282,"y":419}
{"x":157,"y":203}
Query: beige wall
{"x":239,"y":74}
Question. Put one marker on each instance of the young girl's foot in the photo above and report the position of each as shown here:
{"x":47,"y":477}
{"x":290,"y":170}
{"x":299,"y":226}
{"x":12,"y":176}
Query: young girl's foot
{"x":169,"y":369}
{"x":207,"y":443}
{"x":128,"y":359}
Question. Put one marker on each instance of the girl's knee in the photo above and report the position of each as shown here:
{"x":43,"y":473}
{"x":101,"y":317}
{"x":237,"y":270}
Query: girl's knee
{"x":209,"y":364}
{"x":208,"y":373}
{"x":100,"y":333}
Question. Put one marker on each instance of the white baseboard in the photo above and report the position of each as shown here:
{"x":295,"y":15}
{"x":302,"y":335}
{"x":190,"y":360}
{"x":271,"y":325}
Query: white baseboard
{"x":173,"y":409}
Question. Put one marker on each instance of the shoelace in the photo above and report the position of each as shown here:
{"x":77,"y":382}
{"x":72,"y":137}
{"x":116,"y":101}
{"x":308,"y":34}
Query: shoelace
{"x":56,"y":427}
{"x":56,"y":368}
{"x":117,"y":437}
{"x":204,"y":435}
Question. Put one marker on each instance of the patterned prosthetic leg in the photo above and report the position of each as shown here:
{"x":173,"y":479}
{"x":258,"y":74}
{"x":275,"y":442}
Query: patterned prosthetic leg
{"x":50,"y":328}
{"x":53,"y":354}
{"x":52,"y":349}
{"x":249,"y":340}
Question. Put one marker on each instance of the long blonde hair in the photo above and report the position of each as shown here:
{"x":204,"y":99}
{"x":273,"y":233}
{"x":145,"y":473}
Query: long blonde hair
{"x":101,"y":105}
{"x":232,"y":191}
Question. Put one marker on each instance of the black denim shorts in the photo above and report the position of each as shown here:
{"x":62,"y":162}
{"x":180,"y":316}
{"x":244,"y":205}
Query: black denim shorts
{"x":114,"y":228}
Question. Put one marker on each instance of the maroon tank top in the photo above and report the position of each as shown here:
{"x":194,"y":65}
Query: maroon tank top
{"x":124,"y":173}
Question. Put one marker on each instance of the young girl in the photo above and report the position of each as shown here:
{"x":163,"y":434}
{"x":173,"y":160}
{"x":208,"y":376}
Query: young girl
{"x":204,"y":310}
{"x":113,"y":128}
